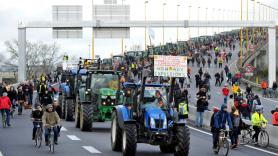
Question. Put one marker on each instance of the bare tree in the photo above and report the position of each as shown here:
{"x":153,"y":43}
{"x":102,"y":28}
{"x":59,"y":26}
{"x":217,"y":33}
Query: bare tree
{"x":38,"y":54}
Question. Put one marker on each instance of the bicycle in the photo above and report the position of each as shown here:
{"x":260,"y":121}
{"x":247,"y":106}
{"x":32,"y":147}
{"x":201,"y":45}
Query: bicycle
{"x":247,"y":134}
{"x":223,"y":143}
{"x":51,"y":139}
{"x":38,"y":134}
{"x":4,"y":118}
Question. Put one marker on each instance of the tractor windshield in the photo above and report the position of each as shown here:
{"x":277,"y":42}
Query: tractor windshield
{"x":152,"y":95}
{"x":105,"y":81}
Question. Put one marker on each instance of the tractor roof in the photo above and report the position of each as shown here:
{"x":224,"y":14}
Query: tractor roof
{"x":103,"y":72}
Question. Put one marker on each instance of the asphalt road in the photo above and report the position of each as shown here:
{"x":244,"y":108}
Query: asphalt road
{"x":16,"y":141}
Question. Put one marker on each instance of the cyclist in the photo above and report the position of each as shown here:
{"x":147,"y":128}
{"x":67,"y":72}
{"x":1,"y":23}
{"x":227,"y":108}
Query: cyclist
{"x":220,"y":120}
{"x":5,"y":107}
{"x":36,"y":117}
{"x":50,"y":118}
{"x":257,"y":120}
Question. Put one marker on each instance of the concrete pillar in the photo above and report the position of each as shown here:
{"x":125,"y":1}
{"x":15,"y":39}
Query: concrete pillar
{"x":22,"y":54}
{"x":271,"y":56}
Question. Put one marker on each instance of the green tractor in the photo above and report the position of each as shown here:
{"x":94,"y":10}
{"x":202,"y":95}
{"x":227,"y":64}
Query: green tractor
{"x":97,"y":99}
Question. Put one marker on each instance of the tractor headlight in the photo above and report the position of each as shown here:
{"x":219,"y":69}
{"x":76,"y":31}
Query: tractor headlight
{"x":113,"y":97}
{"x":165,"y":123}
{"x":152,"y":123}
{"x":86,"y":92}
{"x":88,"y":89}
{"x":103,"y":97}
{"x":104,"y":103}
{"x":112,"y":103}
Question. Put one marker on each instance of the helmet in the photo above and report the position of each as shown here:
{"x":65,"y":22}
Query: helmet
{"x":259,"y":108}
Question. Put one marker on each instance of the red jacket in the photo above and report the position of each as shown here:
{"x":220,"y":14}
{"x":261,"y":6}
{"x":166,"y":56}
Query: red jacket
{"x":225,"y":91}
{"x":5,"y":103}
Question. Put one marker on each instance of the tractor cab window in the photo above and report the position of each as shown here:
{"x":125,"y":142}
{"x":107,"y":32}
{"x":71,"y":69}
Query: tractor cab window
{"x":105,"y":81}
{"x":152,"y":96}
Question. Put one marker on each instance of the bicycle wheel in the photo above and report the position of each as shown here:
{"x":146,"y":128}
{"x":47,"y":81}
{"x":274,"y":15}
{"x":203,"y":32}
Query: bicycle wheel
{"x":224,"y":150}
{"x":39,"y":137}
{"x":51,"y":143}
{"x":245,"y":136}
{"x":263,"y":139}
{"x":4,"y":120}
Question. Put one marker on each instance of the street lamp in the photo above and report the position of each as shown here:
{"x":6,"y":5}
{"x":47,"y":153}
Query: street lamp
{"x":246,"y":30}
{"x":189,"y":8}
{"x":198,"y":20}
{"x":219,"y":19}
{"x":122,"y":40}
{"x":163,"y":23}
{"x":240,"y":58}
{"x":145,"y":4}
{"x":177,"y":22}
{"x":213,"y":11}
{"x":206,"y":21}
{"x":253,"y":30}
{"x":89,"y":51}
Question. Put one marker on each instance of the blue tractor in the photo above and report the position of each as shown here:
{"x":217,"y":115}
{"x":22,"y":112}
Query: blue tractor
{"x":147,"y":115}
{"x":68,"y":94}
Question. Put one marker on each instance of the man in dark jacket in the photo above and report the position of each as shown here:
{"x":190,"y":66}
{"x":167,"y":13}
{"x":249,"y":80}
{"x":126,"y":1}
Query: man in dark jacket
{"x":220,"y":120}
{"x":1,"y":89}
{"x":201,"y":106}
{"x":36,"y":117}
{"x":217,"y":79}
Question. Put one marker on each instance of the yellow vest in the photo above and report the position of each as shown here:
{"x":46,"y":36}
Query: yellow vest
{"x":183,"y":108}
{"x":257,"y":119}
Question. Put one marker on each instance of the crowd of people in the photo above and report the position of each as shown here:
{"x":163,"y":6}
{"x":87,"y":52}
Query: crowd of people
{"x":43,"y":111}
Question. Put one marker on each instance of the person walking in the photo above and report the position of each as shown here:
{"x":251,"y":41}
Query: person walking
{"x":5,"y":107}
{"x":215,"y":62}
{"x":275,"y":116}
{"x":273,"y":92}
{"x":200,"y":111}
{"x":264,"y":87}
{"x":226,"y":69}
{"x":217,"y":79}
{"x":203,"y":62}
{"x":221,"y":77}
{"x":220,"y":62}
{"x":225,"y":92}
{"x":209,"y":62}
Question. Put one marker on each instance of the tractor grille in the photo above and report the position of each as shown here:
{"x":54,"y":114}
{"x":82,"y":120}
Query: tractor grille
{"x":158,"y":123}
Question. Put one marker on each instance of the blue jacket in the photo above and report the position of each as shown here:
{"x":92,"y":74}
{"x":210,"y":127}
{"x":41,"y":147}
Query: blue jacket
{"x":221,"y":118}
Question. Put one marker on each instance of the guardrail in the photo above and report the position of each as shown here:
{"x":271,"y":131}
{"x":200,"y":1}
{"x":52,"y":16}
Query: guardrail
{"x":271,"y":130}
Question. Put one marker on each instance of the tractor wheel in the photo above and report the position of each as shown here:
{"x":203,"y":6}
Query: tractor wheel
{"x":116,"y":134}
{"x":167,"y":148}
{"x":69,"y":110}
{"x":86,"y":117}
{"x":77,"y":115}
{"x":183,"y":141}
{"x":129,"y":143}
{"x":63,"y":107}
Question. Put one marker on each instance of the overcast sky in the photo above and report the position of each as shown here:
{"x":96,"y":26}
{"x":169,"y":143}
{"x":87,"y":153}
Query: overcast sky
{"x":14,"y":11}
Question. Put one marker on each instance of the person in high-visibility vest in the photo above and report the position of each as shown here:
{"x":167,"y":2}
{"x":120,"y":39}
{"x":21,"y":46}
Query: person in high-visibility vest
{"x":183,"y":109}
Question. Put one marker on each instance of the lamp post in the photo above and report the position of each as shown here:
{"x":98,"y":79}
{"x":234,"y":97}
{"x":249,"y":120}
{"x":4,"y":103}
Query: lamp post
{"x":240,"y":58}
{"x":177,"y":22}
{"x":213,"y":11}
{"x":198,"y":21}
{"x":206,"y":21}
{"x":145,"y":6}
{"x":246,"y":30}
{"x":253,"y":30}
{"x":223,"y":18}
{"x":219,"y":19}
{"x":93,"y":36}
{"x":122,"y":40}
{"x":163,"y":23}
{"x":189,"y":8}
{"x":89,"y":51}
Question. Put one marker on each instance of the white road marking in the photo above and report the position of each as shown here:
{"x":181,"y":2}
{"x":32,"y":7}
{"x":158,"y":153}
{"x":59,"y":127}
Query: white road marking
{"x":73,"y":137}
{"x":91,"y":149}
{"x":63,"y":129}
{"x":268,"y":99}
{"x":1,"y":153}
{"x":262,"y":150}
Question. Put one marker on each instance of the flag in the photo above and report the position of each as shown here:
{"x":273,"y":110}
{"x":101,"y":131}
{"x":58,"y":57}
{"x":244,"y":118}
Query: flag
{"x":151,"y":33}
